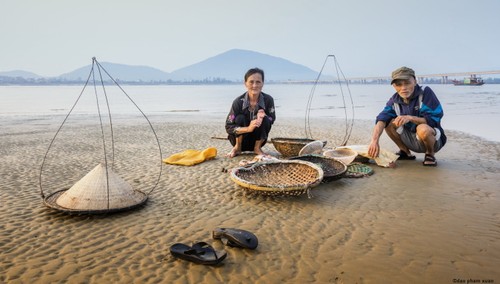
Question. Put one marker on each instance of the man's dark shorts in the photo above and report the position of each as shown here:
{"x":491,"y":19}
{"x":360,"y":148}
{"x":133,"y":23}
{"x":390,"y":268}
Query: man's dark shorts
{"x":413,"y":143}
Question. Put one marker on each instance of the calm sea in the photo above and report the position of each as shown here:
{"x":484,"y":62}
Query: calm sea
{"x":475,"y":110}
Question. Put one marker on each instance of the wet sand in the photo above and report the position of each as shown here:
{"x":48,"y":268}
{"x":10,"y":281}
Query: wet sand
{"x":409,"y":224}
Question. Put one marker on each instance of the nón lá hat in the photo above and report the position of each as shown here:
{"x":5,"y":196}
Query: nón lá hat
{"x":100,"y":189}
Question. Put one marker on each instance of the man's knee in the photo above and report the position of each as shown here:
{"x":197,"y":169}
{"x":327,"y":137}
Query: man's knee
{"x":424,"y":131}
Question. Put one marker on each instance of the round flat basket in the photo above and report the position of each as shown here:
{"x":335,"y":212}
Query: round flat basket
{"x":284,"y":177}
{"x":290,"y":147}
{"x":51,"y":201}
{"x":357,"y":170}
{"x":332,"y":168}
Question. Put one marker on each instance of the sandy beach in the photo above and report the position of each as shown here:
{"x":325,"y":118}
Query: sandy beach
{"x":408,"y":224}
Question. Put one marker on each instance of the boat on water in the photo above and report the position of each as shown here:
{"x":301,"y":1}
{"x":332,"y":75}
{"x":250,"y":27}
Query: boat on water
{"x":473,"y":80}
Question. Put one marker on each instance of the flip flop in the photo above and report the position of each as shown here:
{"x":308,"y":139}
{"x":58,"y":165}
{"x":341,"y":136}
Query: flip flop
{"x":201,"y":253}
{"x":429,"y":161}
{"x":236,"y":237}
{"x":403,"y":156}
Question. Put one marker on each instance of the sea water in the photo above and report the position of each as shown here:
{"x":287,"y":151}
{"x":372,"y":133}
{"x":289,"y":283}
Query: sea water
{"x":471,"y":109}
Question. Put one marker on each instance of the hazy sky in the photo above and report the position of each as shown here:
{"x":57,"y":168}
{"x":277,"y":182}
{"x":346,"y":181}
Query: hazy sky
{"x":369,"y":37}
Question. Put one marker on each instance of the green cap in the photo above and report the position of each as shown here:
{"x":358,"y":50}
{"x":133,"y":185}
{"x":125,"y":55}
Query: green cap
{"x":402,"y":73}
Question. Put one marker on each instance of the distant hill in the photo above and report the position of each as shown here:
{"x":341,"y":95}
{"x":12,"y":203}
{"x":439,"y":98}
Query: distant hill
{"x":20,"y":73}
{"x":233,"y":64}
{"x":120,"y":72}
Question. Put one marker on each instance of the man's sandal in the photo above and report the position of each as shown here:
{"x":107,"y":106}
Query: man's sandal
{"x":429,"y":161}
{"x":403,"y":156}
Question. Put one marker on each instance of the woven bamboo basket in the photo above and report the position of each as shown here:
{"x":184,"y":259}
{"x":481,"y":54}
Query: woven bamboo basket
{"x":51,"y":201}
{"x":276,"y":178}
{"x":290,"y":147}
{"x":332,"y":168}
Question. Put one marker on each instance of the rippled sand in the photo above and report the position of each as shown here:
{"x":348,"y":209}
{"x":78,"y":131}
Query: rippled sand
{"x":409,"y":224}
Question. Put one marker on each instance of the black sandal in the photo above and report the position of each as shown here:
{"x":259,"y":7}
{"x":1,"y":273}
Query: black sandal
{"x":429,"y":161}
{"x":403,"y":156}
{"x":236,"y":237}
{"x":200,"y":252}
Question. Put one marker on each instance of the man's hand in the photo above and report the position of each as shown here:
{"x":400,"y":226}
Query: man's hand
{"x":373,"y":149}
{"x":401,"y":120}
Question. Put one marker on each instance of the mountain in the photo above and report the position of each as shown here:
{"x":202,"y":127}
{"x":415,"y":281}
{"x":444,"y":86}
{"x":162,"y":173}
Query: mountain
{"x":20,"y":73}
{"x":228,"y":66}
{"x":120,"y":72}
{"x":233,"y":64}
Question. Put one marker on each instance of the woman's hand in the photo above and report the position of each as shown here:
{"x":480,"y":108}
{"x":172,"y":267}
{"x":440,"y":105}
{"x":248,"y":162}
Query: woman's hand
{"x":254,"y":124}
{"x":261,"y":114}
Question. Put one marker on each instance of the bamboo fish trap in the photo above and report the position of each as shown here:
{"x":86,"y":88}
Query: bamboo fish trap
{"x":102,"y":190}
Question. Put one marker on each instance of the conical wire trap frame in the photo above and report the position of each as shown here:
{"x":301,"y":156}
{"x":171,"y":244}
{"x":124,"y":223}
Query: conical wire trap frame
{"x":339,"y":82}
{"x":101,"y":190}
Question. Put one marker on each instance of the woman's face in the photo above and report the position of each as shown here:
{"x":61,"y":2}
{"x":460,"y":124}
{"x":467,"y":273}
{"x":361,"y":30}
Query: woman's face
{"x":254,"y":84}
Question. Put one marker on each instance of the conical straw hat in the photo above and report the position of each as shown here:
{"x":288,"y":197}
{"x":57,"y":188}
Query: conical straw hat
{"x":314,"y":147}
{"x":90,"y":193}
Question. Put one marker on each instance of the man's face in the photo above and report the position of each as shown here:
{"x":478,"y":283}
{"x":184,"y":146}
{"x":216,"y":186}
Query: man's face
{"x":405,"y":87}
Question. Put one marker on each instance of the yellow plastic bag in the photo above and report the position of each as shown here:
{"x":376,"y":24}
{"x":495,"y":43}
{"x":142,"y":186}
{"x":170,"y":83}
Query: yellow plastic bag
{"x":191,"y":157}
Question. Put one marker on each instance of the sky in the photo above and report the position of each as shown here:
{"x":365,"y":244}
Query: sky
{"x":367,"y":37}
